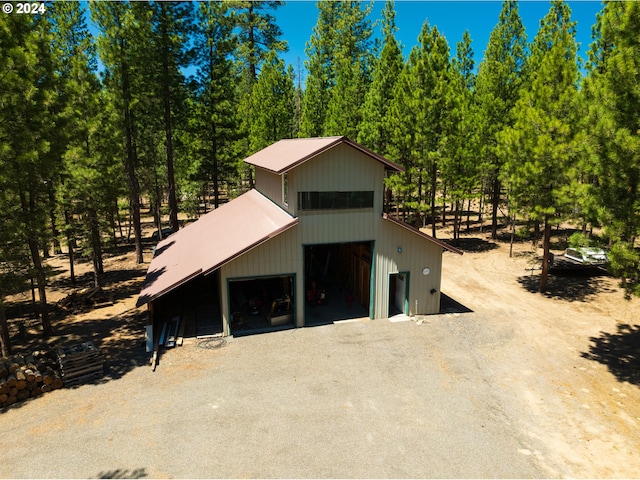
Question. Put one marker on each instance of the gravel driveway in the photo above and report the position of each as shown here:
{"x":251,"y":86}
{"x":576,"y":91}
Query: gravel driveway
{"x":356,"y":399}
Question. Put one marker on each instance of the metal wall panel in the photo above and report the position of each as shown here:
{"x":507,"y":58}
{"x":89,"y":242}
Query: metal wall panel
{"x":417,"y":253}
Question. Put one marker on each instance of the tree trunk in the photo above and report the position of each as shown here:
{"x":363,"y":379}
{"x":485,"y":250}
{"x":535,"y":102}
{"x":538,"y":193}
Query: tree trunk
{"x":5,"y":339}
{"x":132,"y":156}
{"x":32,"y":242}
{"x":55,"y":234}
{"x":166,"y":94}
{"x":96,"y":247}
{"x":216,"y":177}
{"x":444,"y":206}
{"x":71,"y":246}
{"x":434,"y":184}
{"x":495,"y":201}
{"x":546,"y":241}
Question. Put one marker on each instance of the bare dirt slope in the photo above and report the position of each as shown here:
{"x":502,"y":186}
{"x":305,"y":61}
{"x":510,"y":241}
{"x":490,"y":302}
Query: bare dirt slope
{"x":570,"y":357}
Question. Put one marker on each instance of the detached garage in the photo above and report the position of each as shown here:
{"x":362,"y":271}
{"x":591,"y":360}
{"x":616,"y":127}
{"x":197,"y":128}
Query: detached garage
{"x":309,"y":245}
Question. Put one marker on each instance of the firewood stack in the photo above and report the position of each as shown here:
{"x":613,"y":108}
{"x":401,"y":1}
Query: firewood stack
{"x":80,"y":363}
{"x":24,"y":376}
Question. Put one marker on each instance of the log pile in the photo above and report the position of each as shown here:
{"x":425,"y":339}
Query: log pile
{"x":25,"y":376}
{"x":83,"y":300}
{"x":80,"y":363}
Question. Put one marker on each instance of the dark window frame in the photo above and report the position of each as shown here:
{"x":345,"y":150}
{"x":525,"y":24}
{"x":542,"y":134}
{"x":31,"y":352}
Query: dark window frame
{"x":335,"y":200}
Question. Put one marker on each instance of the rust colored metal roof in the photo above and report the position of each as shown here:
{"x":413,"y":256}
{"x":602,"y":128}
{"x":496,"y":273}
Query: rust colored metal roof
{"x":412,"y":229}
{"x":213,"y":240}
{"x":284,"y":155}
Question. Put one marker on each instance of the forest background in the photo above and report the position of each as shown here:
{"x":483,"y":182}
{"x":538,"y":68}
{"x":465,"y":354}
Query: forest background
{"x":160,"y":106}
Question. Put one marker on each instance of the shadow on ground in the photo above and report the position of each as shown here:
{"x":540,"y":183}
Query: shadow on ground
{"x":449,"y":305}
{"x":570,"y":286}
{"x":619,"y":352}
{"x":119,"y":473}
{"x":475,"y":245}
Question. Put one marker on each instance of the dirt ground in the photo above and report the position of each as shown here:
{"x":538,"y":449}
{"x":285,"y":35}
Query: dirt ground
{"x":571,"y":356}
{"x":576,"y":375}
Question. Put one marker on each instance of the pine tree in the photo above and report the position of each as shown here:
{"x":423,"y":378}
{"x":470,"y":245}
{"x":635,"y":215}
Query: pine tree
{"x":614,"y":101}
{"x":352,"y":70}
{"x":497,"y":89}
{"x":321,"y":52}
{"x":214,"y":121}
{"x":85,"y":189}
{"x":171,"y":22}
{"x":542,"y":145}
{"x":257,"y":35}
{"x":373,"y":131}
{"x":26,"y":123}
{"x":272,"y":104}
{"x":339,"y":65}
{"x":122,"y":45}
{"x":459,"y":166}
{"x":400,"y":119}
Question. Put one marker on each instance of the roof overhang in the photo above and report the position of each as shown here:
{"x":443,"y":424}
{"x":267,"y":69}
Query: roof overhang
{"x":212,"y":241}
{"x":444,"y":245}
{"x":287,"y":154}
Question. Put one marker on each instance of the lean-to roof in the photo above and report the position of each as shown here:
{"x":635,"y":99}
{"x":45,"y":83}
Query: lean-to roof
{"x":213,"y":240}
{"x":284,"y":155}
{"x":412,"y":229}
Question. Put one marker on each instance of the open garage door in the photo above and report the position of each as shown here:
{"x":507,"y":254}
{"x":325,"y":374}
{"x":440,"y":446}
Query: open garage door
{"x":261,"y":304}
{"x":337,"y":281}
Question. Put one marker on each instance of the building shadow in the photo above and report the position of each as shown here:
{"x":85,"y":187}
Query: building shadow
{"x":449,"y":305}
{"x":619,"y":352}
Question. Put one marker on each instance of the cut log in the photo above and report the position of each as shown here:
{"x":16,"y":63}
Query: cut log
{"x":45,"y":388}
{"x":11,"y":399}
{"x":28,"y":373}
{"x":21,"y":380}
{"x":13,"y":391}
{"x":4,"y":387}
{"x":57,"y":383}
{"x":11,"y":380}
{"x":48,"y":376}
{"x":4,"y":368}
{"x":23,"y":394}
{"x":13,"y":366}
{"x":3,"y":397}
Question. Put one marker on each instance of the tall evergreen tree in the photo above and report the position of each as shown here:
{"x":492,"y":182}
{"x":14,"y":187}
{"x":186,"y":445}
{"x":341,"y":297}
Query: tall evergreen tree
{"x":542,"y":145}
{"x":459,"y":166}
{"x":257,"y":35}
{"x":373,"y":131}
{"x":497,"y":89}
{"x":171,"y":21}
{"x":272,"y":104}
{"x":123,"y":41}
{"x":215,"y":107}
{"x":85,"y":192}
{"x":320,"y":67}
{"x":614,"y":95}
{"x":339,"y":65}
{"x":26,"y":121}
{"x":420,"y":118}
{"x":352,"y":70}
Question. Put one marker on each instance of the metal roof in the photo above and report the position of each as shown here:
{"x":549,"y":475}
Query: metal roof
{"x":284,"y":155}
{"x":444,"y":245}
{"x":213,"y":240}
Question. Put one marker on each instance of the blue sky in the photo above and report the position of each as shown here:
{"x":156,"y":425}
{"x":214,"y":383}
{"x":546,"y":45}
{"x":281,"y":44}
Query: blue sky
{"x":297,"y":19}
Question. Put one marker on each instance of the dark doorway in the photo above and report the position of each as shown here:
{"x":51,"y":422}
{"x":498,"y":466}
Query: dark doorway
{"x":398,"y":293}
{"x":262,"y":304}
{"x":337,"y":281}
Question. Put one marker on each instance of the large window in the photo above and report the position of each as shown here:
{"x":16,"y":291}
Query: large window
{"x":334,"y":200}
